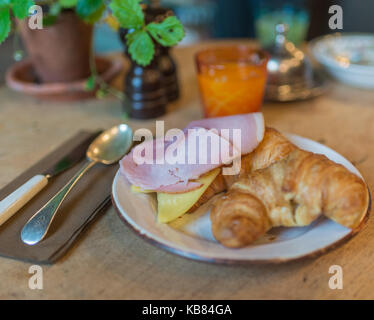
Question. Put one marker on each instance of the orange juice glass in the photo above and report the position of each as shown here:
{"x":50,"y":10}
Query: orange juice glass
{"x":231,"y":79}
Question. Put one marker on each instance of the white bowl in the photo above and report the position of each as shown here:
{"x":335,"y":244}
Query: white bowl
{"x":347,"y":57}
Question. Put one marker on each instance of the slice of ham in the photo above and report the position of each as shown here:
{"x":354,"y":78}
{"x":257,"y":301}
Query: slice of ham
{"x":252,"y":128}
{"x":145,"y":170}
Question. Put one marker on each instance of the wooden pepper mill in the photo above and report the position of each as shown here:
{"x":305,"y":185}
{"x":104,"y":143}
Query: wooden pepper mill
{"x":149,"y":89}
{"x":169,"y":72}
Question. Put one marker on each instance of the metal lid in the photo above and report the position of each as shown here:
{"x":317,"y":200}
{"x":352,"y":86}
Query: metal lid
{"x":290,"y":72}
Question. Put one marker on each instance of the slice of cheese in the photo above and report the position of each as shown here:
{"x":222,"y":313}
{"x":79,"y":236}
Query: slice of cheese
{"x":137,"y":189}
{"x":174,"y":205}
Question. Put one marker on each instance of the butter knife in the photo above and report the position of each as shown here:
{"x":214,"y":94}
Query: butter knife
{"x":18,"y":198}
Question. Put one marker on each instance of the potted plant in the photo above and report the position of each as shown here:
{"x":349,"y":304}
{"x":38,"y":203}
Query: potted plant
{"x":60,"y":50}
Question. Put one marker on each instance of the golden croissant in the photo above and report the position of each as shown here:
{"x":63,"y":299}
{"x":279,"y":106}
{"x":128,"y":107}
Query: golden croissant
{"x":272,"y":148}
{"x":293,"y":191}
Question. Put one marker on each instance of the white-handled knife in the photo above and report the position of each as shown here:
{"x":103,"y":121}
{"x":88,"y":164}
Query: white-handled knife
{"x":18,"y":198}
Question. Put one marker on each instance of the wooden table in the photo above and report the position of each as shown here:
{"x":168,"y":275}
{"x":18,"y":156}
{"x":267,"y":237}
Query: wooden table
{"x":110,"y":261}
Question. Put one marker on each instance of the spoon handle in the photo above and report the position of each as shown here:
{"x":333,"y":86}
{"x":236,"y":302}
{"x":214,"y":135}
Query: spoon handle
{"x":37,"y":227}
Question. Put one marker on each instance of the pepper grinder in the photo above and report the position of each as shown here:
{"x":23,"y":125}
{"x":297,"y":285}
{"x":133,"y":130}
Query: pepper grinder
{"x":168,"y":69}
{"x":148,"y":89}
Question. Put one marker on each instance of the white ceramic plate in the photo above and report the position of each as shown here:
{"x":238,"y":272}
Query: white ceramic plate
{"x":347,"y":57}
{"x":190,"y":236}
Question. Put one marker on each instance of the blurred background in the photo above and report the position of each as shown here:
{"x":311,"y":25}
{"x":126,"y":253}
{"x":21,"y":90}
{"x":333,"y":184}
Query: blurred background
{"x":207,"y":19}
{"x":242,"y":18}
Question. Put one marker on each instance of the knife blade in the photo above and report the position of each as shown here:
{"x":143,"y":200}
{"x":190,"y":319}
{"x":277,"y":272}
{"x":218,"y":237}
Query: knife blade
{"x":70,"y":159}
{"x":18,"y":198}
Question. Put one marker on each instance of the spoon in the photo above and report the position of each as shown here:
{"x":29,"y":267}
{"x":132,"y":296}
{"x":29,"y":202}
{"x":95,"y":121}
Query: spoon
{"x":108,"y":148}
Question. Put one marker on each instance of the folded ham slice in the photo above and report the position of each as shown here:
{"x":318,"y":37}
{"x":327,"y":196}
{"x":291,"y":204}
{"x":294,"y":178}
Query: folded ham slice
{"x":252,"y":128}
{"x":172,"y":166}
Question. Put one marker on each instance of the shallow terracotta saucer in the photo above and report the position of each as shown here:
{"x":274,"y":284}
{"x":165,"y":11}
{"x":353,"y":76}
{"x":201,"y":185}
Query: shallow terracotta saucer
{"x":21,"y":77}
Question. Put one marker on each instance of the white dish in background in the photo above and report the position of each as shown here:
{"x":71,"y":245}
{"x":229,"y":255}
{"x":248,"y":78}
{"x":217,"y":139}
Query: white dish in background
{"x":190,"y":236}
{"x":349,"y":57}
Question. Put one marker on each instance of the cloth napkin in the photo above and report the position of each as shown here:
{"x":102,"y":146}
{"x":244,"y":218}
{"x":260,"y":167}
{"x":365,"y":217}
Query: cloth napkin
{"x":89,"y":198}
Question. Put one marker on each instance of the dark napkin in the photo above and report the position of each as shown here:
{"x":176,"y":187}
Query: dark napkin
{"x":89,"y":197}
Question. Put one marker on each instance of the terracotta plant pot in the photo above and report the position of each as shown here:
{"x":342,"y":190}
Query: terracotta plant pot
{"x":60,"y":52}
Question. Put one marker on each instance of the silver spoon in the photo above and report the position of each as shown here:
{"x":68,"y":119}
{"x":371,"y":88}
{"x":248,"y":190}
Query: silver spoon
{"x":108,"y":148}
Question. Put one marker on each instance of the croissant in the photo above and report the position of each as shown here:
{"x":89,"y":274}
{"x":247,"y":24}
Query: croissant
{"x":291,"y":192}
{"x":272,"y":148}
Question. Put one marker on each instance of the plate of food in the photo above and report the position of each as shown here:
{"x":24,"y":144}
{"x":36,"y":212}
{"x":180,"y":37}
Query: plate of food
{"x":277,"y":198}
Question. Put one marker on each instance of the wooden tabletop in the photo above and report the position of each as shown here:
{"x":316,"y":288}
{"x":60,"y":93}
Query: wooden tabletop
{"x":110,"y":261}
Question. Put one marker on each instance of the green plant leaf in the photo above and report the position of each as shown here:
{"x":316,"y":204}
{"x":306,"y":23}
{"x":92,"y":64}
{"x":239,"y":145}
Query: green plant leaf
{"x":90,"y":10}
{"x":128,"y":13}
{"x":4,"y":3}
{"x":68,"y":3}
{"x":101,"y":93}
{"x":140,"y":47}
{"x":49,"y":20}
{"x":90,"y":83}
{"x":168,"y":32}
{"x":21,"y":8}
{"x":4,"y":23}
{"x":55,"y":9}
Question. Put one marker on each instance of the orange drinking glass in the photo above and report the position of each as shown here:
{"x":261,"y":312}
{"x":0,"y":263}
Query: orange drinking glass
{"x":231,"y":79}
